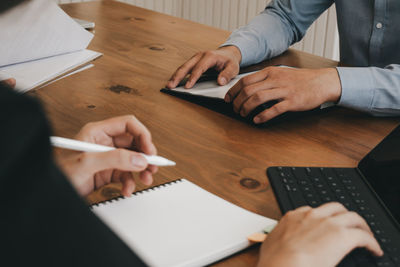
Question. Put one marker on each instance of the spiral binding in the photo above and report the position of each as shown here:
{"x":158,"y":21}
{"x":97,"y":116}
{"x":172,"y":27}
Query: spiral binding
{"x":154,"y":188}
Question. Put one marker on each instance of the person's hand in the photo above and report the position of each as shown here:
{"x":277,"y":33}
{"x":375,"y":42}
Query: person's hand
{"x":294,"y":89}
{"x":89,"y":171}
{"x":9,"y":82}
{"x":225,"y":60}
{"x":316,"y":237}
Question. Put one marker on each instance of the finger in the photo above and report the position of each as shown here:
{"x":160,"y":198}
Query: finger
{"x":152,"y":168}
{"x":357,"y":238}
{"x":120,"y":159}
{"x":259,"y":98}
{"x":128,"y":184}
{"x":183,"y":70}
{"x":247,"y":92}
{"x":146,"y":177}
{"x":331,"y":209}
{"x":272,"y":112}
{"x":116,"y":176}
{"x":98,"y":181}
{"x":303,"y":209}
{"x":102,"y":178}
{"x":298,"y":213}
{"x":117,"y":126}
{"x":123,"y":141}
{"x":352,"y":219}
{"x":206,"y":62}
{"x":228,"y":73}
{"x":11,"y":82}
{"x":245,"y":81}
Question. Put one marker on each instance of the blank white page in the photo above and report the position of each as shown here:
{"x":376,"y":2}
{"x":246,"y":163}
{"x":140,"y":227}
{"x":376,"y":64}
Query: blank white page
{"x":211,"y":88}
{"x":180,"y":224}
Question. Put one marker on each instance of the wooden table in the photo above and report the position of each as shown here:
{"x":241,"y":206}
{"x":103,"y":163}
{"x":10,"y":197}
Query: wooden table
{"x":226,"y":157}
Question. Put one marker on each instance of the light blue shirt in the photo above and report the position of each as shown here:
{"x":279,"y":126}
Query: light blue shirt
{"x":369,"y":41}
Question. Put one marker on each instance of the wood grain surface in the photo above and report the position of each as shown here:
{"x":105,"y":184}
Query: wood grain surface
{"x":227,"y":157}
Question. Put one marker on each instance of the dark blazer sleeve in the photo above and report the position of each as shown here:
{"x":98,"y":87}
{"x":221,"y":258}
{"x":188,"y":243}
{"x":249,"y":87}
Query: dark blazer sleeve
{"x":43,"y":221}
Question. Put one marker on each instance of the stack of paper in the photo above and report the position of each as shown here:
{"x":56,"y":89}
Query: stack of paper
{"x":41,"y":43}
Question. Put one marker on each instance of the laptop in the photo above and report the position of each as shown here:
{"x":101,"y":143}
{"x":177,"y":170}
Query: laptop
{"x":372,"y":190}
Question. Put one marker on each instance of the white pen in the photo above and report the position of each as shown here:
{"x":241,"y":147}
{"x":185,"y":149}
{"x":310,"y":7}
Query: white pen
{"x":72,"y":144}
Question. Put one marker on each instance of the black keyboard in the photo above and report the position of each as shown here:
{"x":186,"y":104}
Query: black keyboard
{"x":299,"y":186}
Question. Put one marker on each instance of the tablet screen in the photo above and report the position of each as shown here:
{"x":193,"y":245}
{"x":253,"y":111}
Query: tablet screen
{"x":381,"y":167}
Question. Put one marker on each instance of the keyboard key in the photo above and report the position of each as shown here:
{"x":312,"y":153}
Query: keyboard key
{"x":327,"y":199}
{"x":313,"y":203}
{"x":310,"y":196}
{"x":338,"y":191}
{"x":363,"y":257}
{"x":351,"y":188}
{"x":378,"y":231}
{"x":384,"y":261}
{"x":323,"y":192}
{"x":392,"y":250}
{"x":307,"y":189}
{"x":363,"y":209}
{"x":384,"y":241}
{"x":297,"y":199}
{"x":315,"y":179}
{"x":359,"y":201}
{"x":395,"y":258}
{"x":303,"y":182}
{"x":347,"y":181}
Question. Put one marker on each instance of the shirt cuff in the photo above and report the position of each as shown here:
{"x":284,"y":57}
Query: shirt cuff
{"x":357,"y":88}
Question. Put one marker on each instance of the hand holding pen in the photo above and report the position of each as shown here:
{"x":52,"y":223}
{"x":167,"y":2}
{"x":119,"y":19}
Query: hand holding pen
{"x":116,"y":148}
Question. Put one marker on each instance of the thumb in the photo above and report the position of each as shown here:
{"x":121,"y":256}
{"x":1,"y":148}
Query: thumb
{"x":120,"y":159}
{"x":228,"y":73}
{"x":11,"y":82}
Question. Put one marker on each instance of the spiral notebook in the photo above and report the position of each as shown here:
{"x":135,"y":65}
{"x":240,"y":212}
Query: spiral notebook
{"x":180,"y":224}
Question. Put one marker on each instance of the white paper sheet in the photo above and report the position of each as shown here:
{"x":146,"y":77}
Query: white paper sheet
{"x":32,"y":74}
{"x":211,"y":88}
{"x":38,"y":29}
{"x":86,"y":67}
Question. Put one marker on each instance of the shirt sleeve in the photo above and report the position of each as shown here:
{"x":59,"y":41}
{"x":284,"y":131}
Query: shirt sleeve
{"x":281,"y":24}
{"x":371,"y":89}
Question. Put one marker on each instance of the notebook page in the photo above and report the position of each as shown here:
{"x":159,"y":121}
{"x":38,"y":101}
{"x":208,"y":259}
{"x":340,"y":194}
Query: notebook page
{"x":211,"y":88}
{"x":181,"y":224}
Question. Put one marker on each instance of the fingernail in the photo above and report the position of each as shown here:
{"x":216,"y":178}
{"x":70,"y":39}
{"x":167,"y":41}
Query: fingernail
{"x":139,"y":161}
{"x":222,"y":81}
{"x":257,"y":119}
{"x":227,"y":98}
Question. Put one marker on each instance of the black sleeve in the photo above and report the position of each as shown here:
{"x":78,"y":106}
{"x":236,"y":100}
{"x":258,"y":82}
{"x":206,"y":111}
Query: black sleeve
{"x":43,"y":221}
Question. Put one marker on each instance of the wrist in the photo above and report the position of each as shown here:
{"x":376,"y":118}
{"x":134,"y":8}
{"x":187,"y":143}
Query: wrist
{"x":234,"y":52}
{"x":333,"y":85}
